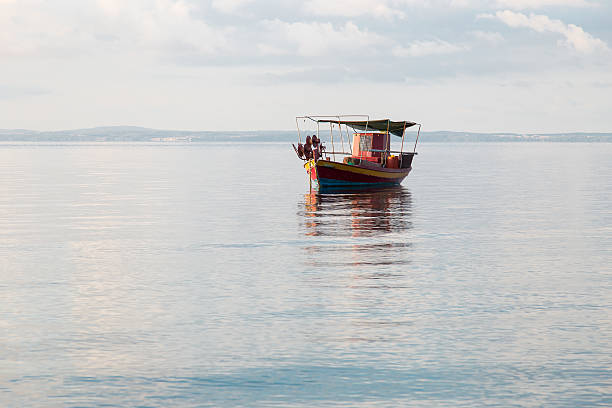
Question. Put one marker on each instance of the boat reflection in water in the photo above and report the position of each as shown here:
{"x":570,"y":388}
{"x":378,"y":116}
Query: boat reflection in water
{"x":358,"y":228}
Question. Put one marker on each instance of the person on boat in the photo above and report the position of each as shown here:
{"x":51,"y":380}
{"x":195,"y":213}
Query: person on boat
{"x":308,"y":148}
{"x":316,"y":147}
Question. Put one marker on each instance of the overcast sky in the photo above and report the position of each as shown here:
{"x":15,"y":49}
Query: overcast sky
{"x":474,"y":65}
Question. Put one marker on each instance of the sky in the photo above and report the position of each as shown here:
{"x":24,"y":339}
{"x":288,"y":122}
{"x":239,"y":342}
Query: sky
{"x":466,"y":65}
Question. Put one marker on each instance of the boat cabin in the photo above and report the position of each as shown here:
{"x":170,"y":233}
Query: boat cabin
{"x":370,"y":146}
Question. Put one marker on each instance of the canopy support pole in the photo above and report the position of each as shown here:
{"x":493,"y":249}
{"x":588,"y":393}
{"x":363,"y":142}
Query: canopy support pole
{"x":348,"y":139}
{"x":387,"y":143}
{"x":298,"y":129}
{"x":331,"y":133}
{"x":366,"y":132}
{"x":402,"y":147}
{"x":417,"y":139}
{"x":341,"y":137}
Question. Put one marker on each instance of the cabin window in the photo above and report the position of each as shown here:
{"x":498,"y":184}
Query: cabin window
{"x":365,"y":143}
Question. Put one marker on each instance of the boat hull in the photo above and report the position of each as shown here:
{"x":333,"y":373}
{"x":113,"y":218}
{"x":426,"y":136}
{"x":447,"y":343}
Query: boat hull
{"x":333,"y":174}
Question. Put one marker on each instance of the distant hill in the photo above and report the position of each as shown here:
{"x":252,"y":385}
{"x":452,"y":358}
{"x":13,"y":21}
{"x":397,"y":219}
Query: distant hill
{"x":140,"y":134}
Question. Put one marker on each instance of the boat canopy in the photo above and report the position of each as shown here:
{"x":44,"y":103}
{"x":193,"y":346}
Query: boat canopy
{"x":383,"y":125}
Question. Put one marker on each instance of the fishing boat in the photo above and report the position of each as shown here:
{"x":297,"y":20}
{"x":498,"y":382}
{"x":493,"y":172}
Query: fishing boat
{"x":369,"y":160}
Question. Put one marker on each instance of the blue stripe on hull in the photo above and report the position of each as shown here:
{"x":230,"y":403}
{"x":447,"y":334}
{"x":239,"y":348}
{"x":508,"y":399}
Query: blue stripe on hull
{"x":325,"y":182}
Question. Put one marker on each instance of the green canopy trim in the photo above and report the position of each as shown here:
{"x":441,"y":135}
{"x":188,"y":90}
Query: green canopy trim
{"x":382,"y":125}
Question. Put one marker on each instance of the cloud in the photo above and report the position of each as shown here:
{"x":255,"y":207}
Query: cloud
{"x":352,"y":8}
{"x":318,"y":74}
{"x":423,"y":48}
{"x":396,"y":8}
{"x":534,"y":4}
{"x":11,"y":91}
{"x":33,"y":28}
{"x":488,"y":37}
{"x":317,"y":39}
{"x":37,"y":28}
{"x":575,"y":37}
{"x":192,"y":34}
{"x":166,"y":26}
{"x":387,"y":9}
{"x":229,"y":6}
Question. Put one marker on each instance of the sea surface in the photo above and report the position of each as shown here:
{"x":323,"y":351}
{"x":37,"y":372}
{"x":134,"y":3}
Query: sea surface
{"x":208,"y":274}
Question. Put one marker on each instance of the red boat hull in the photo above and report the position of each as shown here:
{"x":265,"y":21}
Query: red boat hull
{"x":328,"y":173}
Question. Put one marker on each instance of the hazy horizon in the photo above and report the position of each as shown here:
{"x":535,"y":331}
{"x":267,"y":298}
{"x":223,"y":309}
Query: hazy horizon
{"x":141,"y":134}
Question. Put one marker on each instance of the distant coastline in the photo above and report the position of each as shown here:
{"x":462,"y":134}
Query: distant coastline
{"x":140,"y":134}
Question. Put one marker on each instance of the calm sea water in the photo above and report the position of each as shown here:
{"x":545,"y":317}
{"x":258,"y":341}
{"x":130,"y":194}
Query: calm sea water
{"x":208,"y":275}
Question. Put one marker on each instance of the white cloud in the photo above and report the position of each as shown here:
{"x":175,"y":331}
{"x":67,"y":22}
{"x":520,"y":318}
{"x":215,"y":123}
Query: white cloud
{"x":533,"y":4}
{"x":37,"y":28}
{"x":12,"y":91}
{"x":575,"y":37}
{"x":488,"y":37}
{"x":33,"y":28}
{"x":319,"y":39}
{"x":229,"y":6}
{"x":387,"y":9}
{"x":351,"y":8}
{"x":316,"y":39}
{"x":164,"y":26}
{"x":170,"y":25}
{"x":110,"y":7}
{"x":423,"y":48}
